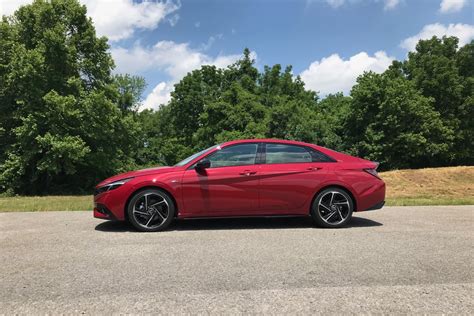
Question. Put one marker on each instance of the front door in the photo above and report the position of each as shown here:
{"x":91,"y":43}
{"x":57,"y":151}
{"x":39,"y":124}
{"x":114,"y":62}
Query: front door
{"x":228,"y":187}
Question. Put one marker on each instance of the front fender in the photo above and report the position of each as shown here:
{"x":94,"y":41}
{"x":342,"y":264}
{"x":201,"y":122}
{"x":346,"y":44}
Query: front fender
{"x":172,"y":187}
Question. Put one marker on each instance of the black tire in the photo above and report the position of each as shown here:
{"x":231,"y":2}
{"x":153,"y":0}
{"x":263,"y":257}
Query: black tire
{"x":332,"y":208}
{"x":152,"y":206}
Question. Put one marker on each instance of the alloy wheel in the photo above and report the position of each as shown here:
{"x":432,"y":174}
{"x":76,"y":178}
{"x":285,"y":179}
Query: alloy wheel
{"x":334,"y":207}
{"x":151,"y":210}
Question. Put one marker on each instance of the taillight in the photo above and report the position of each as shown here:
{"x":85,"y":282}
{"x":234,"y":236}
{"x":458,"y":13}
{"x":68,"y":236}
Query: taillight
{"x":373,"y":171}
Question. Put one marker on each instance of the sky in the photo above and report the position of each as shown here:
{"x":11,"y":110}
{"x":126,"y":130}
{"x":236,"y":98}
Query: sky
{"x":328,"y":42}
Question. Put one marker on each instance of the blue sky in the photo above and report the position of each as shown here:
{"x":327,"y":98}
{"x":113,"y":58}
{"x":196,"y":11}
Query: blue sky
{"x":299,"y":32}
{"x":328,"y":42}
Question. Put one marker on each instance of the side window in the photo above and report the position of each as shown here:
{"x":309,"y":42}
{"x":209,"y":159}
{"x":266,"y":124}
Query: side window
{"x":238,"y":155}
{"x":280,"y":153}
{"x":320,"y":157}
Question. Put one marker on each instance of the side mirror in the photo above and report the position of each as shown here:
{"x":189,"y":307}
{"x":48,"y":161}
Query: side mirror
{"x":203,"y":164}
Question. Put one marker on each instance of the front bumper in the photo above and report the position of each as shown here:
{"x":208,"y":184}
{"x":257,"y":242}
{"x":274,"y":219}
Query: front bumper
{"x":102,"y":212}
{"x":111,"y":204}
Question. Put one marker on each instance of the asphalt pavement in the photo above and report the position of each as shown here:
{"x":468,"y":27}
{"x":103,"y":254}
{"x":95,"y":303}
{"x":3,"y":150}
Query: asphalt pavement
{"x":394,"y":260}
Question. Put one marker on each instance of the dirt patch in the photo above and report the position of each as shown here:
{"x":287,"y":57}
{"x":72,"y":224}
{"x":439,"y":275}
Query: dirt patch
{"x":449,"y":182}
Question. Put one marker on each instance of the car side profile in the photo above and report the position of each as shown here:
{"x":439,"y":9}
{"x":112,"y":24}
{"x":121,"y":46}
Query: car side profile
{"x":255,"y":177}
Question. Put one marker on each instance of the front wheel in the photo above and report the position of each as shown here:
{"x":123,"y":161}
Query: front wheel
{"x":151,"y":210}
{"x":332,"y":208}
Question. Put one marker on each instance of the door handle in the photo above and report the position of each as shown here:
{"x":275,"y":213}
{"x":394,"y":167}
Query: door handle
{"x":247,"y":173}
{"x":313,"y":168}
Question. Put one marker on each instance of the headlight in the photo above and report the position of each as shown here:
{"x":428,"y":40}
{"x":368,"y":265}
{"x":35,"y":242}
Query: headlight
{"x":111,"y":186}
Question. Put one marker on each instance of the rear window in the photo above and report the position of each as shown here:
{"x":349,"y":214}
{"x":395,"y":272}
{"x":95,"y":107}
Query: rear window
{"x":280,"y":153}
{"x":320,"y":157}
{"x":284,"y":153}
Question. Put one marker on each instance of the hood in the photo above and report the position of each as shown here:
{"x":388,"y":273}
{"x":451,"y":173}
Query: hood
{"x":137,"y":173}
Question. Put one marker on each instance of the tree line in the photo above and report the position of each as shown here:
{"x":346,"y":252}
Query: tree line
{"x":66,"y":121}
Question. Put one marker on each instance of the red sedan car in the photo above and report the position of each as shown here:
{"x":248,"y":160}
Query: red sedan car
{"x":257,"y":177}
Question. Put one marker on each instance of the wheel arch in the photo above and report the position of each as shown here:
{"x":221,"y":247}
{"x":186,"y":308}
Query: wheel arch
{"x":339,"y":186}
{"x":147,"y":187}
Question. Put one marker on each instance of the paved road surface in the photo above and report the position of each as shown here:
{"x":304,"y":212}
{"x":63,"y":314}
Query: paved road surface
{"x":397,"y":260}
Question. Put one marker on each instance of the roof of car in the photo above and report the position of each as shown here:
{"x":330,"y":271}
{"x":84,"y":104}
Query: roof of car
{"x":265,"y":140}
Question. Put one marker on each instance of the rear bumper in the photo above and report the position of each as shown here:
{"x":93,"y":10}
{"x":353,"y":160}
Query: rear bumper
{"x":377,"y":206}
{"x":373,"y":197}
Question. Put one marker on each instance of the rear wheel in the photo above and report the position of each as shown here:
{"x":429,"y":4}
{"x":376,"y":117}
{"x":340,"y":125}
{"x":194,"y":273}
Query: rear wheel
{"x":151,"y":210}
{"x":332,"y":208}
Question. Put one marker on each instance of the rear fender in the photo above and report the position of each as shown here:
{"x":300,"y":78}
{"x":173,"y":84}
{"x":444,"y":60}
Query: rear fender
{"x":340,"y":184}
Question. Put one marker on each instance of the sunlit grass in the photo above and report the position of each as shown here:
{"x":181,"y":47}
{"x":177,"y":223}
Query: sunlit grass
{"x":416,"y":201}
{"x":46,"y":203}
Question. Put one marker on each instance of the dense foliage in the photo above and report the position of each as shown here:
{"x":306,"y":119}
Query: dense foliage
{"x":61,"y":120}
{"x":67,"y":122}
{"x":418,"y":113}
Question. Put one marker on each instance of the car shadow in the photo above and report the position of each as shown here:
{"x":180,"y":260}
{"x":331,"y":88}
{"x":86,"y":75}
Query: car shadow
{"x":236,"y":223}
{"x":115,"y":227}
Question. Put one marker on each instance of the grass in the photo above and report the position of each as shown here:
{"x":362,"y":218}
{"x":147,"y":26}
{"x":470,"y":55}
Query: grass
{"x":432,"y":186}
{"x":46,"y":203}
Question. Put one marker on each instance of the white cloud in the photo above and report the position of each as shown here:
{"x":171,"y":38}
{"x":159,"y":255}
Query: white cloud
{"x":391,"y":4}
{"x":335,"y":3}
{"x":173,"y":20}
{"x":174,"y":59}
{"x":116,"y":19}
{"x":212,"y":39}
{"x":7,"y":7}
{"x":465,"y":33}
{"x":448,"y":6}
{"x":333,"y":74}
{"x":159,"y":95}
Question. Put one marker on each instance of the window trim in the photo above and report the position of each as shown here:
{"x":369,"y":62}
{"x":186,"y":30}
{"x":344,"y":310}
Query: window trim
{"x":309,"y":149}
{"x":258,"y":155}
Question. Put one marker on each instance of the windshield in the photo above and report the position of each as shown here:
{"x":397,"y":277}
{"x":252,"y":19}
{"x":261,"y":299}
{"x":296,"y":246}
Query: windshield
{"x":190,"y":158}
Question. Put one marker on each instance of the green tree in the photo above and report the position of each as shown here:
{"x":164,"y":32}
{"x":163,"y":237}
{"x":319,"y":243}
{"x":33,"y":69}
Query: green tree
{"x":130,"y":89}
{"x":61,"y":129}
{"x":67,"y":122}
{"x":390,"y":121}
{"x":188,"y":100}
{"x":211,"y":105}
{"x":333,"y":112}
{"x":237,"y":114}
{"x":444,"y":73}
{"x":464,"y":145}
{"x":287,"y":102}
{"x":159,"y":144}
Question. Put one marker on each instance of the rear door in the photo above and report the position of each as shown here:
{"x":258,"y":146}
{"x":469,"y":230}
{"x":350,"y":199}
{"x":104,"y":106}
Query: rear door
{"x":289,"y":177}
{"x":228,"y":187}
